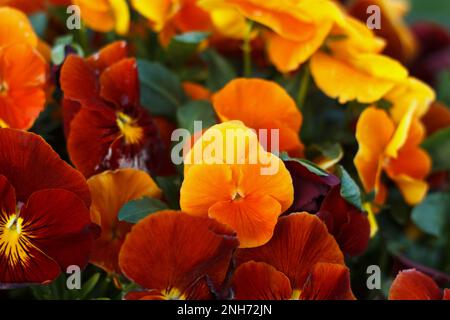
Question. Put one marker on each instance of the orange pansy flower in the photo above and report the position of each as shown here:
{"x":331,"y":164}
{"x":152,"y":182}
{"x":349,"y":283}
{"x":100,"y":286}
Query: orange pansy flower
{"x":196,"y":91}
{"x":105,"y":15}
{"x":110,"y":191}
{"x":175,"y":256}
{"x":32,"y":6}
{"x":301,"y":261}
{"x":385,"y":147}
{"x":262,"y":104}
{"x":247,"y":191}
{"x":415,"y":285}
{"x":23,"y":71}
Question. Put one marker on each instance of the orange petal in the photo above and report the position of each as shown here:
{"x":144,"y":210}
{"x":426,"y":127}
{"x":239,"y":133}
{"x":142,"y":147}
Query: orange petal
{"x":300,"y":241}
{"x":328,"y":281}
{"x":350,"y":79}
{"x":110,"y":191}
{"x":261,"y":104}
{"x":108,"y":55}
{"x":179,"y":258}
{"x":414,"y":285}
{"x":287,"y":55}
{"x":437,"y":118}
{"x":196,"y":91}
{"x":373,"y":132}
{"x":260,"y":281}
{"x":24,"y":75}
{"x":15,"y":28}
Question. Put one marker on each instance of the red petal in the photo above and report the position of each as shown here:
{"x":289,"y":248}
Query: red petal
{"x":447,"y":294}
{"x":108,"y":55}
{"x":60,"y":225}
{"x":328,"y":281}
{"x":7,"y":196}
{"x":414,"y":285}
{"x":78,"y":80}
{"x":260,"y":281}
{"x":179,"y":250}
{"x":300,"y":241}
{"x":30,"y":164}
{"x":119,"y":84}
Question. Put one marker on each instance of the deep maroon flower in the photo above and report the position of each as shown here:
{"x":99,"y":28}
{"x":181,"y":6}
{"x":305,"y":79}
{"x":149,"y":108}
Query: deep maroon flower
{"x":320,"y":194}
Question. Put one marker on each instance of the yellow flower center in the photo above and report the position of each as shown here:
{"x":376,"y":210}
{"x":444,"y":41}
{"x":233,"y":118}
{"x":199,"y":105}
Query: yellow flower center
{"x":296,"y":293}
{"x":3,"y":88}
{"x":129,"y":129}
{"x":238,"y":195}
{"x":3,"y":124}
{"x":14,"y":240}
{"x":173,"y":294}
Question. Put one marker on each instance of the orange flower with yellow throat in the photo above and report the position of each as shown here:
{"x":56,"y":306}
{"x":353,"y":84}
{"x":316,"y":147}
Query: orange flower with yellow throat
{"x":393,"y":149}
{"x":236,"y":182}
{"x":23,"y":71}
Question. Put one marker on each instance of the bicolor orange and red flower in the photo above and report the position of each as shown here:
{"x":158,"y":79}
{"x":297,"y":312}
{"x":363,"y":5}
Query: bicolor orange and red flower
{"x":106,"y":125}
{"x":105,"y":15}
{"x":110,"y":191}
{"x":44,"y":217}
{"x":23,"y":71}
{"x":262,"y":104}
{"x":230,"y":184}
{"x":388,"y":148}
{"x":301,"y":261}
{"x":175,"y":256}
{"x":414,"y":285}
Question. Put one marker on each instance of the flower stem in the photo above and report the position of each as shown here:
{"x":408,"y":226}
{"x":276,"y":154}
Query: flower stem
{"x":247,"y":50}
{"x":304,"y":86}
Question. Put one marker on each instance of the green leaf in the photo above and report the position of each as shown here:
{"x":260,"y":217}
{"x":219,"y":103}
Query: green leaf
{"x":171,"y":190}
{"x":311,"y":166}
{"x":161,"y":90}
{"x":220,"y":70}
{"x":88,"y":286}
{"x":39,"y":21}
{"x":349,"y":189}
{"x":136,"y":210}
{"x":438,"y":146}
{"x":183,"y":46}
{"x":58,"y":53}
{"x":430,"y":10}
{"x":431,"y":215}
{"x":196,"y":111}
{"x":442,"y":89}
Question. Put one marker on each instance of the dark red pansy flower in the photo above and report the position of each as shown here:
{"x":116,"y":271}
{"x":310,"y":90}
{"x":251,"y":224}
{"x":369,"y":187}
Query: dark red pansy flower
{"x":45,"y":223}
{"x":106,"y":126}
{"x":301,"y":261}
{"x":414,"y":285}
{"x":345,"y":222}
{"x":321,"y":195}
{"x":175,"y":256}
{"x":309,"y":188}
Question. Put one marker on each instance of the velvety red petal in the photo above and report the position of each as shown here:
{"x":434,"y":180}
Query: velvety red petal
{"x":328,"y":281}
{"x":300,"y":241}
{"x":78,"y":80}
{"x":7,"y":196}
{"x":60,"y":226}
{"x":30,"y":164}
{"x":260,"y":281}
{"x":447,"y":294}
{"x":70,"y":109}
{"x":108,"y":55}
{"x":119,"y":84}
{"x":414,"y":285}
{"x":179,"y":249}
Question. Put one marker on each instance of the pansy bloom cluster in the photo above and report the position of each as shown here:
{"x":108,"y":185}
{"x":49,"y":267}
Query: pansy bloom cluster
{"x":224,"y":150}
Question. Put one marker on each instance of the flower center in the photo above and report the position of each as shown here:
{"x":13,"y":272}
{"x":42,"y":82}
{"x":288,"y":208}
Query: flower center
{"x":296,"y":294}
{"x":129,"y":129}
{"x":173,"y":294}
{"x":238,"y":195}
{"x":3,"y":88}
{"x":13,"y":240}
{"x":3,"y":124}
